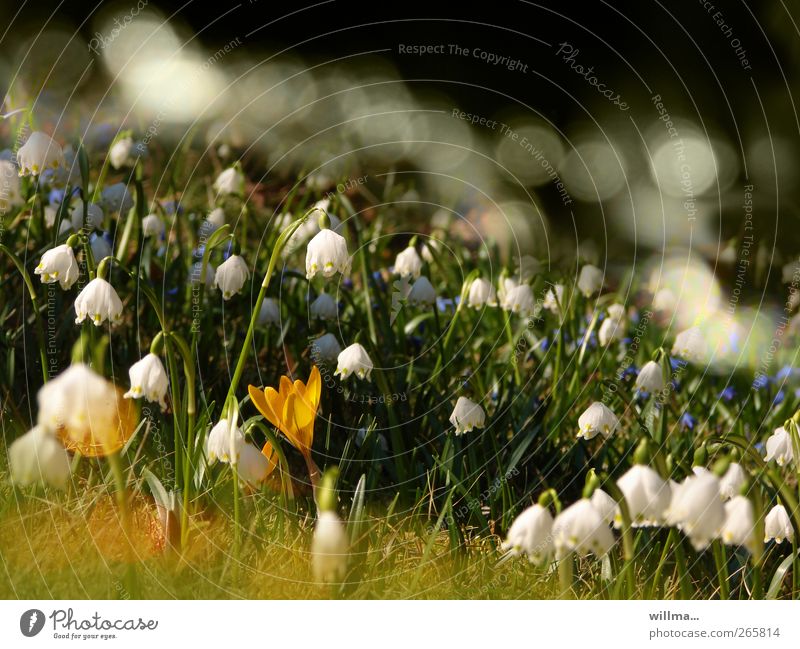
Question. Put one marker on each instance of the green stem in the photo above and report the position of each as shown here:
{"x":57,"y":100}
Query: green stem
{"x":721,"y":563}
{"x":36,"y":311}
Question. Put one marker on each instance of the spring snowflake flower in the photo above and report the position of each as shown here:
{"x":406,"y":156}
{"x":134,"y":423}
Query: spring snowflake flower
{"x":85,"y":411}
{"x":152,"y":226}
{"x":230,"y":181}
{"x":99,"y":302}
{"x":481,"y":292}
{"x":231,"y":275}
{"x":116,"y":198}
{"x":37,"y":456}
{"x":590,"y":280}
{"x":324,"y":307}
{"x":553,"y":298}
{"x":689,"y":345}
{"x":326,"y":348}
{"x":778,"y":525}
{"x":779,"y":447}
{"x":39,"y":153}
{"x":731,"y":483}
{"x":225,"y":442}
{"x":149,"y":380}
{"x":58,"y":265}
{"x":739,"y":526}
{"x":270,"y":313}
{"x":422,"y":292}
{"x":581,"y":529}
{"x":531,"y":534}
{"x":327,"y":253}
{"x":121,"y":153}
{"x":605,"y":505}
{"x":611,"y":329}
{"x":329,"y":548}
{"x":197,"y":270}
{"x":467,"y":415}
{"x":520,"y":300}
{"x":94,"y":215}
{"x":254,"y":466}
{"x":648,"y":496}
{"x":408,"y":263}
{"x":650,"y":378}
{"x":697,"y":509}
{"x":504,"y":286}
{"x":597,"y":418}
{"x":354,"y":360}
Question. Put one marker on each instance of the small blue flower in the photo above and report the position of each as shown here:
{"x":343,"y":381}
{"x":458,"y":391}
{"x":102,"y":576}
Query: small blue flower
{"x":629,"y":371}
{"x":779,"y":398}
{"x":443,"y":304}
{"x":728,"y":394}
{"x":760,"y":382}
{"x":687,"y":421}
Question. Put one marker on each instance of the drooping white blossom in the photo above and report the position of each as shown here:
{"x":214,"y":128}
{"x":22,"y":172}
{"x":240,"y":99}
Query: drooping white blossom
{"x":467,"y":415}
{"x":354,"y":360}
{"x":149,"y":380}
{"x":99,"y":302}
{"x":531,"y":534}
{"x":58,"y":265}
{"x":597,"y":419}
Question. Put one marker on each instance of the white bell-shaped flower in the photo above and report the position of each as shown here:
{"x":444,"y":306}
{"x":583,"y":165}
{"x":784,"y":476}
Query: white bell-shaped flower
{"x":422,"y":292}
{"x":690,"y":345}
{"x":253,"y":466}
{"x":481,"y":293}
{"x":39,"y":153}
{"x":38,"y":457}
{"x":329,"y":549}
{"x":99,"y":302}
{"x":58,"y":265}
{"x":504,"y":286}
{"x":731,"y":483}
{"x":122,"y":153}
{"x":230,"y":181}
{"x":325,"y":348}
{"x":590,"y":280}
{"x":778,"y":525}
{"x":520,"y":300}
{"x":697,"y":508}
{"x":327,"y":254}
{"x":354,"y":360}
{"x":597,"y":418}
{"x":324,"y":307}
{"x":605,"y":505}
{"x":581,"y":529}
{"x":554,"y":299}
{"x":224,"y":442}
{"x":408,"y":263}
{"x":231,"y":275}
{"x":779,"y":447}
{"x":531,"y":534}
{"x":270,"y":312}
{"x":152,"y":226}
{"x":650,"y":378}
{"x":467,"y":415}
{"x":739,"y":526}
{"x":84,"y":408}
{"x":647,"y":495}
{"x":149,"y":380}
